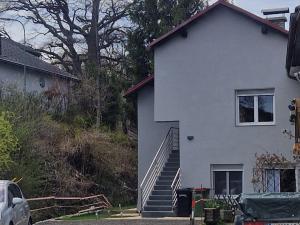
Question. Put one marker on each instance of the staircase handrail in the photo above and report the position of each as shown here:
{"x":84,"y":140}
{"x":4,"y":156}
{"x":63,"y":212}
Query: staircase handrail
{"x":174,"y":186}
{"x":156,"y":166}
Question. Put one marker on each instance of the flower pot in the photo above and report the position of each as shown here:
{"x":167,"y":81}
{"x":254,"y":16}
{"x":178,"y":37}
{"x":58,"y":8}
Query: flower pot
{"x":211,"y":215}
{"x":226,"y":215}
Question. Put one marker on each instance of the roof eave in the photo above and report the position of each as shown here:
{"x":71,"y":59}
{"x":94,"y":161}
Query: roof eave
{"x":134,"y":89}
{"x":41,"y":70}
{"x":258,"y":19}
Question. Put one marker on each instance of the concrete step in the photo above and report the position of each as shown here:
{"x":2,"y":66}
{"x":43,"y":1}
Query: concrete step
{"x":166,"y":178}
{"x":173,"y":160}
{"x":172,"y":164}
{"x":162,"y":192}
{"x":169,"y":182}
{"x":162,"y":187}
{"x":168,"y":173}
{"x":158,"y":208}
{"x":160,"y":197}
{"x":155,"y":214}
{"x":175,"y":154}
{"x":159,"y":202}
{"x":171,"y":169}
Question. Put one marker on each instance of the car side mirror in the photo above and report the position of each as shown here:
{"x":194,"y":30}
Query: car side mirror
{"x":17,"y":201}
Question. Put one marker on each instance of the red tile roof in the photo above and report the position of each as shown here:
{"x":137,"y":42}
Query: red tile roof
{"x":204,"y":12}
{"x":140,"y":85}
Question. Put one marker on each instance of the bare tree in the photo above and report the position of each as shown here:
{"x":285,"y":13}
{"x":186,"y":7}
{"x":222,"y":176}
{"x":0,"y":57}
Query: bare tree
{"x":79,"y":31}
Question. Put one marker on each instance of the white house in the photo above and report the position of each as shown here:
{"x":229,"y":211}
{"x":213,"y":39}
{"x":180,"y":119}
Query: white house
{"x":219,"y":95}
{"x":22,"y":67}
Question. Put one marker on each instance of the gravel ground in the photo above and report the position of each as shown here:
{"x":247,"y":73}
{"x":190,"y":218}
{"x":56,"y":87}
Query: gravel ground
{"x":121,"y":222}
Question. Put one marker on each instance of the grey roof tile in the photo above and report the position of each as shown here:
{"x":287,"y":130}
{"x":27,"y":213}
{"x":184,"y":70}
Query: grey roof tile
{"x":19,"y":54}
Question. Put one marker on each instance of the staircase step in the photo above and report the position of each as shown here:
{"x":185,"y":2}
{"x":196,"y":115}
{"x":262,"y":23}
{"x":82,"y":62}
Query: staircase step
{"x":172,"y":160}
{"x":159,"y":202}
{"x":170,"y":169}
{"x":169,"y":182}
{"x":169,"y":174}
{"x":160,"y":197}
{"x":162,"y":187}
{"x":166,"y":178}
{"x":172,"y":164}
{"x":162,"y":192}
{"x":158,"y":208}
{"x":154,"y":214}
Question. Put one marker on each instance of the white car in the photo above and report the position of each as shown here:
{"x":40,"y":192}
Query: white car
{"x":14,"y":209}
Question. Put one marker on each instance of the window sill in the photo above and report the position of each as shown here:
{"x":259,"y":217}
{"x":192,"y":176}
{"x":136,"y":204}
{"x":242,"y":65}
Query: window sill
{"x":255,"y":124}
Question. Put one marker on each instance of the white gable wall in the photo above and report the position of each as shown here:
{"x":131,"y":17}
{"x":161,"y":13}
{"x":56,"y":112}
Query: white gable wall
{"x":195,"y":83}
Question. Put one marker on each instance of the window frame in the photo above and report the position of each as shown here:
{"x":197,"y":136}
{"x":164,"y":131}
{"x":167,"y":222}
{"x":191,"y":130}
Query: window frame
{"x":227,"y":178}
{"x":256,"y":111}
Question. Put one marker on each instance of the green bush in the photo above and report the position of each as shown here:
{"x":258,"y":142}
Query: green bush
{"x":8,"y":141}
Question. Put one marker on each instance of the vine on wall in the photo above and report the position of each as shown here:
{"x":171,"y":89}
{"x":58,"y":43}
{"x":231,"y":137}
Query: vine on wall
{"x":267,"y":161}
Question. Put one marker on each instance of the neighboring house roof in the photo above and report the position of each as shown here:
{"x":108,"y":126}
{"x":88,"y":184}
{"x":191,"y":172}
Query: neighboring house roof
{"x":199,"y":15}
{"x":193,"y":19}
{"x":293,"y":52}
{"x":16,"y":53}
{"x":143,"y":83}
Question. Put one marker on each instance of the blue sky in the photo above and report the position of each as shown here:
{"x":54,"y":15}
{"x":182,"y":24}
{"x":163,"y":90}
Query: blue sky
{"x":254,"y":6}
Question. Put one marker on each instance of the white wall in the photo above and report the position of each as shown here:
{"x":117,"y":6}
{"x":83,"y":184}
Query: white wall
{"x":150,"y":133}
{"x":195,"y":83}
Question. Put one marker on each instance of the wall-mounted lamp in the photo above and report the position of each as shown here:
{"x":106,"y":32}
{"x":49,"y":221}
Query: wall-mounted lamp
{"x":190,"y":138}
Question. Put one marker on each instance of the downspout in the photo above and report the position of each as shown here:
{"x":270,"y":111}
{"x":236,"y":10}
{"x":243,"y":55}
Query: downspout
{"x":25,"y":79}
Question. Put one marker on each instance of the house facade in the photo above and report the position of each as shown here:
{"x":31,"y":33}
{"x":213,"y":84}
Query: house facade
{"x":218,"y":97}
{"x":22,"y":68}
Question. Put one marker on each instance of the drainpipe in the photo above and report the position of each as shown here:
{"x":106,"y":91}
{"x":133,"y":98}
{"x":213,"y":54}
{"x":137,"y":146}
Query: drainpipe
{"x":25,"y":79}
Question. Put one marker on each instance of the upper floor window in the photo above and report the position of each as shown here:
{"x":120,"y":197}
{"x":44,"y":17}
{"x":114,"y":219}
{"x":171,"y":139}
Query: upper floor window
{"x":255,"y":107}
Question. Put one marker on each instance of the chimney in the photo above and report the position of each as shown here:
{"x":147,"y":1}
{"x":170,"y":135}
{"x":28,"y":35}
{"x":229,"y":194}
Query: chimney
{"x":279,"y":20}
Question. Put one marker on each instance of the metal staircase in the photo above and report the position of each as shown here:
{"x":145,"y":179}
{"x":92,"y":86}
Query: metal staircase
{"x":158,"y":188}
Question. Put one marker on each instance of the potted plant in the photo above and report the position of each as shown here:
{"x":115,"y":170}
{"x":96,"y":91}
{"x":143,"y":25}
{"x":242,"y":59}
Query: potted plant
{"x":211,"y":212}
{"x":226,"y":212}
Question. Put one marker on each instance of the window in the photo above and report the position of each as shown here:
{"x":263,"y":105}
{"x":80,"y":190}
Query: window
{"x":255,"y":107}
{"x":15,"y":190}
{"x":42,"y":82}
{"x":280,"y":180}
{"x":10,"y":197}
{"x":227,"y":179}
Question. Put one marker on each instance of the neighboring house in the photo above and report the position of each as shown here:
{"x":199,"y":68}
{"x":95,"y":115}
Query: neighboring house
{"x":22,"y":67}
{"x":218,"y":96}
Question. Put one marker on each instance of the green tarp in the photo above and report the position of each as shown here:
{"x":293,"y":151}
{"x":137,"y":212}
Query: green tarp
{"x":271,"y":206}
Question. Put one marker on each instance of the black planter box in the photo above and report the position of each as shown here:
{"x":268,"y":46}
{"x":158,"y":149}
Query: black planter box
{"x":211,"y":215}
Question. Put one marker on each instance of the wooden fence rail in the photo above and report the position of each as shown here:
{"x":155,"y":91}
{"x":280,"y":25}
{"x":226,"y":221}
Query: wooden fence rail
{"x":96,"y":202}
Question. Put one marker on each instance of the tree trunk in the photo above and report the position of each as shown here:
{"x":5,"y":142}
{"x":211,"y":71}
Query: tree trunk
{"x":94,"y":56}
